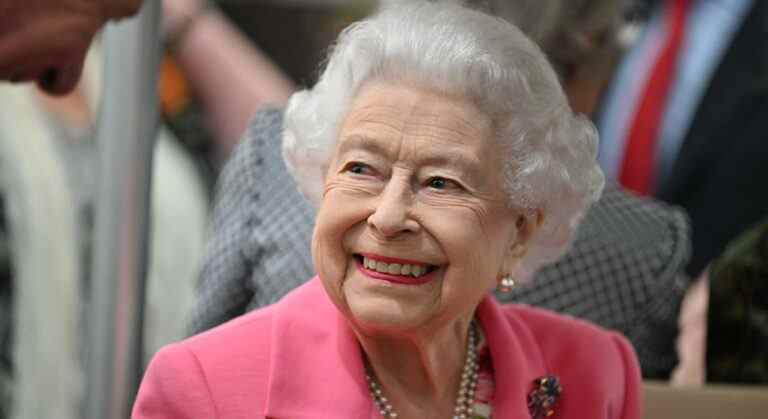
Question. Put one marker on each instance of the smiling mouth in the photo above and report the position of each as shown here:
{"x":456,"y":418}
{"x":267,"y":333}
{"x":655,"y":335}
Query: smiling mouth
{"x":395,"y":270}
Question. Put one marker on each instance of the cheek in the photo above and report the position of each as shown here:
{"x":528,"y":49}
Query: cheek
{"x":345,"y":191}
{"x":473,"y":237}
{"x":327,"y":250}
{"x":338,"y":217}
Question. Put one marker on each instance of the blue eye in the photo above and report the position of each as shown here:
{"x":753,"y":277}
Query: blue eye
{"x":358,"y":168}
{"x":438,"y":183}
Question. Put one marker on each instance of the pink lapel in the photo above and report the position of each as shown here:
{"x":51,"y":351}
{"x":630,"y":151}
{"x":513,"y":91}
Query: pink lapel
{"x":316,"y":368}
{"x":517,"y":358}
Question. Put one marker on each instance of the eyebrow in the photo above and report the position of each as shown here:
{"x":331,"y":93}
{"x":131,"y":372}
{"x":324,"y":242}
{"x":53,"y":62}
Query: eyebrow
{"x":449,"y":157}
{"x":361,"y":142}
{"x":465,"y":162}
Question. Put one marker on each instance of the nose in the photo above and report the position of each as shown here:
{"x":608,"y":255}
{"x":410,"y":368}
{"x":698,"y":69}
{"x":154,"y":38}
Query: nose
{"x":392,"y":215}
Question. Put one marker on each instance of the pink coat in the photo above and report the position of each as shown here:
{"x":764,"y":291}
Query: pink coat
{"x":299,"y":359}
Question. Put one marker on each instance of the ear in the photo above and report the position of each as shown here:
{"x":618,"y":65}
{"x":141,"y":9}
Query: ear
{"x":527,"y":223}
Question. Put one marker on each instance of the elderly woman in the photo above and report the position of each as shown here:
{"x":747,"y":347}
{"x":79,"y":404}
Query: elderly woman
{"x":445,"y":161}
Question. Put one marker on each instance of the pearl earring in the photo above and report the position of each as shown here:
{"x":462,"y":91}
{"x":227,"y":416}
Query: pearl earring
{"x":506,"y":284}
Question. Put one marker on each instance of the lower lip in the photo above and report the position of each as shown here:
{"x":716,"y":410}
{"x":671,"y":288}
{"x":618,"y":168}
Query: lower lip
{"x":397,"y":279}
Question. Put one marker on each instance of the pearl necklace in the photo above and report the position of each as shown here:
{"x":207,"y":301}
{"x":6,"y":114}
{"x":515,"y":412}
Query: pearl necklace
{"x":464,"y":400}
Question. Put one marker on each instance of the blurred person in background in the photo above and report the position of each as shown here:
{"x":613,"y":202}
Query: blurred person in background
{"x":737,"y":324}
{"x":684,"y":119}
{"x":46,"y":41}
{"x":49,"y":174}
{"x":581,"y":39}
{"x":229,"y":75}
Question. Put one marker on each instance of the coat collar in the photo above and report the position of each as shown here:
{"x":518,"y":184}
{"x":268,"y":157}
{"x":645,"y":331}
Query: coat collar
{"x":516,"y":356}
{"x":316,"y":365}
{"x":317,"y":368}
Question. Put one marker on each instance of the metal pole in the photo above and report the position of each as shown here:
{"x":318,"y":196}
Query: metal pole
{"x":126,"y":131}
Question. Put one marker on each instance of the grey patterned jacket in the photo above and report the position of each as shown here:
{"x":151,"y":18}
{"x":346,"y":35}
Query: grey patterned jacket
{"x":624,"y":271}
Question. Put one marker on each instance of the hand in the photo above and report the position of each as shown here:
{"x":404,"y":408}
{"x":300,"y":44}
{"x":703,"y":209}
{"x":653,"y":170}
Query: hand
{"x":46,"y":40}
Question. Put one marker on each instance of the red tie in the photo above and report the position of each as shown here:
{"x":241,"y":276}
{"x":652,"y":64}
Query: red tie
{"x":637,"y":168}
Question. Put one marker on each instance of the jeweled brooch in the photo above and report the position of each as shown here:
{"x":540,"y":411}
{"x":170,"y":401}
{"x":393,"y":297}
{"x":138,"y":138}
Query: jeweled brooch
{"x":544,"y":396}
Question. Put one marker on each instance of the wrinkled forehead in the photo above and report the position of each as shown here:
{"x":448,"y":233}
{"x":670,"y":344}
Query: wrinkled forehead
{"x":392,"y":111}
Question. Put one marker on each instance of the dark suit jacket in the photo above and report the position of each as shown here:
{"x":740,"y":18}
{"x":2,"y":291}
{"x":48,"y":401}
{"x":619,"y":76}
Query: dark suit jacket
{"x":722,"y":168}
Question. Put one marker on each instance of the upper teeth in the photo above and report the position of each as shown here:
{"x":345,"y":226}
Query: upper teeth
{"x":395,"y":268}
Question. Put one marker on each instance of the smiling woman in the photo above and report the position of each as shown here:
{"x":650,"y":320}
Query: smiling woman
{"x":444,"y":159}
{"x":416,"y":176}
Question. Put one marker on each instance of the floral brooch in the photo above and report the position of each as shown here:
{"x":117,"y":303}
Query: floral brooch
{"x":544,"y":396}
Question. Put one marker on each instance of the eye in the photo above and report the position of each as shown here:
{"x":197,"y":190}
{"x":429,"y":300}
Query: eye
{"x":358,"y":168}
{"x":441,"y":183}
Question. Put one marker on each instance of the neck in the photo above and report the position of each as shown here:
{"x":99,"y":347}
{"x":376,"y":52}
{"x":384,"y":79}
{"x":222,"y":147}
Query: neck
{"x":419,"y":372}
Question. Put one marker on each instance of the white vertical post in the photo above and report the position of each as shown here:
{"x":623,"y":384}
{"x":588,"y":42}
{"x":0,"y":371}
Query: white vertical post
{"x":126,"y":131}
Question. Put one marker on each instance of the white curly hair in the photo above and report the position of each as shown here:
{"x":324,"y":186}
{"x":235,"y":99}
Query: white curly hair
{"x":551,"y":164}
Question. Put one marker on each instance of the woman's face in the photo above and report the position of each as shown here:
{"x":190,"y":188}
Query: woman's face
{"x":414,"y":225}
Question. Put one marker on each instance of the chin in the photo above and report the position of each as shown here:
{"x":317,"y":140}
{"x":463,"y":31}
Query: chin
{"x":385,"y":315}
{"x":378,"y":305}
